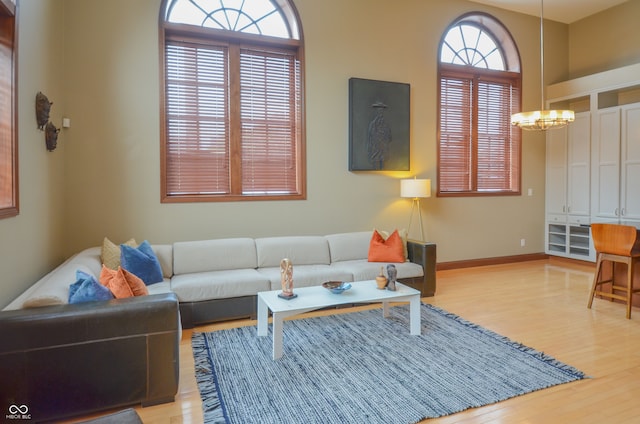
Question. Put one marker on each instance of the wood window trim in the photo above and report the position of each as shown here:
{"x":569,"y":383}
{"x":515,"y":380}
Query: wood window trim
{"x":467,"y":72}
{"x":9,"y":118}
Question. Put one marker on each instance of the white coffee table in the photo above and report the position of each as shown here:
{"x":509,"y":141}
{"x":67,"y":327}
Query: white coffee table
{"x":317,"y":297}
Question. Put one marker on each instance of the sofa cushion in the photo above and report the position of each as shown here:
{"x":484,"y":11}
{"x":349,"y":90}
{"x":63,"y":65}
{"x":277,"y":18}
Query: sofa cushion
{"x":349,"y":246}
{"x":301,"y":250}
{"x":110,"y":254}
{"x":306,"y":275}
{"x":160,"y":288}
{"x":213,"y":255}
{"x":141,"y":261}
{"x":88,"y":289}
{"x":53,"y":289}
{"x":89,"y":258}
{"x":122,"y":283}
{"x":42,"y":300}
{"x":362,"y":270}
{"x":389,"y":250}
{"x":200,"y":286}
{"x":164,"y":253}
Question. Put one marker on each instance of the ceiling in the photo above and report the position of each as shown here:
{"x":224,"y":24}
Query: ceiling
{"x":566,"y":11}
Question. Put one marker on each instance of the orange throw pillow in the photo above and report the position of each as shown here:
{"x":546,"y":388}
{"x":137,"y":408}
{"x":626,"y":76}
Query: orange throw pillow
{"x":389,"y":250}
{"x":122,"y":283}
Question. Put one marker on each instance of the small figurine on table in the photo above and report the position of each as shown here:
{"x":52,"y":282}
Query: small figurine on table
{"x":286,"y":279}
{"x":392,"y":272}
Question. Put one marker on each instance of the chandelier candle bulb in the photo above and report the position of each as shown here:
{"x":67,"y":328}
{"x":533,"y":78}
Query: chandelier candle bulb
{"x":542,"y":119}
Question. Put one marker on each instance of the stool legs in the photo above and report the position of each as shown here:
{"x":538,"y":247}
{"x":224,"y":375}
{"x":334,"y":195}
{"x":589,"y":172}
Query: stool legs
{"x":615,"y":243}
{"x":596,"y":279}
{"x":629,"y":286}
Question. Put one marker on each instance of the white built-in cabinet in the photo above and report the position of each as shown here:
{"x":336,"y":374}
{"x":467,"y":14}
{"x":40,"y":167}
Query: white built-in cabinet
{"x":568,"y":165}
{"x":593,"y":164}
{"x":616,"y":164}
{"x":568,"y":154}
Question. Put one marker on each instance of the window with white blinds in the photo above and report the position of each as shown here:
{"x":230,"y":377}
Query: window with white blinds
{"x":197,"y":116}
{"x":8,"y":131}
{"x":270,"y":102}
{"x":232,"y":119}
{"x":478,"y":148}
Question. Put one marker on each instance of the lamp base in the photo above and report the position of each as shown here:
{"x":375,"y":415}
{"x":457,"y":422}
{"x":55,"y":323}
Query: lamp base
{"x":414,"y":205}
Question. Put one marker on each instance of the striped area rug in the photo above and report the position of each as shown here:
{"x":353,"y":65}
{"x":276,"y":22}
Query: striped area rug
{"x":362,"y":368}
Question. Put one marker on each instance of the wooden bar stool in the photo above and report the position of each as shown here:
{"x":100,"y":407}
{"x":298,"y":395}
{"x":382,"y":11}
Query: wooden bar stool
{"x":616,"y":244}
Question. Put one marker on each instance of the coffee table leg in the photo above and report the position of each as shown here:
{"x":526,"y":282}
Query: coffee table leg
{"x":385,"y":309}
{"x":414,"y":311}
{"x":263,"y":317}
{"x":277,"y":336}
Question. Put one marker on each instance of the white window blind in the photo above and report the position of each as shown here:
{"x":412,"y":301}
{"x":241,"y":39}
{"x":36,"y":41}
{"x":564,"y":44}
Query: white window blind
{"x":232,"y":121}
{"x":270,"y":109}
{"x":479,"y":150}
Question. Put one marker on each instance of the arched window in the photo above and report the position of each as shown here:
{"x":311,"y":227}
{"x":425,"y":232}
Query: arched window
{"x":232,"y":116}
{"x":479,"y":88}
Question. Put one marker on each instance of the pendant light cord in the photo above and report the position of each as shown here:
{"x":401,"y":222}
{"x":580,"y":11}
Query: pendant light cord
{"x":542,"y":55}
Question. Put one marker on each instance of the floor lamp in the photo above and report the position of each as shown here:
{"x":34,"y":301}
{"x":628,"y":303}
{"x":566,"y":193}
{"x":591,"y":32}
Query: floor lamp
{"x":415,"y":189}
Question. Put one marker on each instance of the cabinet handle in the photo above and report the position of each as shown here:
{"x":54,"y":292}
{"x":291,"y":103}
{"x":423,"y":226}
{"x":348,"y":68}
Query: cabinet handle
{"x":564,"y":209}
{"x":568,"y":209}
{"x":622,"y":212}
{"x":616,"y":212}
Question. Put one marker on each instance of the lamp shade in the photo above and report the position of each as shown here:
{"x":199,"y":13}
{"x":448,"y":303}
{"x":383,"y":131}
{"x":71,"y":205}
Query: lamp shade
{"x":415,"y":188}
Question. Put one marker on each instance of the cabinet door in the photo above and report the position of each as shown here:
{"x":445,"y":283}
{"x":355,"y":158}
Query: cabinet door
{"x":630,"y":163}
{"x":606,"y":165}
{"x":556,"y":172}
{"x":579,"y":165}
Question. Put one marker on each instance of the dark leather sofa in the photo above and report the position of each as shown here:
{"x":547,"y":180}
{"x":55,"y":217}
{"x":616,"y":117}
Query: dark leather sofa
{"x":66,"y":360}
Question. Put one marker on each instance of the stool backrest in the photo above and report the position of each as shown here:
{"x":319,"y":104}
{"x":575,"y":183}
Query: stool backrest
{"x":615,"y":239}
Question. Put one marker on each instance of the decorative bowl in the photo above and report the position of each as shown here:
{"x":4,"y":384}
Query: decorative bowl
{"x":336,"y":287}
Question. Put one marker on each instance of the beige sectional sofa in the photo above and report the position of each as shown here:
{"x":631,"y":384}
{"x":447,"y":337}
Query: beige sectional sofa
{"x":218,"y":279}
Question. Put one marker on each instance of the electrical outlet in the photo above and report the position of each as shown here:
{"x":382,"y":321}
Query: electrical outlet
{"x":522,"y":242}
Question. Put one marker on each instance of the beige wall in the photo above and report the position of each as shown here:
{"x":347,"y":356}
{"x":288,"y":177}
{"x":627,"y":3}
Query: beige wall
{"x":100,"y":58}
{"x":113,"y":102}
{"x":33,"y":242}
{"x":605,"y":41}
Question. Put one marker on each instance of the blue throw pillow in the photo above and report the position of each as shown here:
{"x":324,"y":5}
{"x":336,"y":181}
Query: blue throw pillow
{"x":142,"y":262}
{"x":87,"y":289}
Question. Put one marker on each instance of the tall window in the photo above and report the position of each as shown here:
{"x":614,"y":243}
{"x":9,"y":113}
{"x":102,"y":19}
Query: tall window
{"x":232,"y":118}
{"x":479,"y":88}
{"x":8,"y":123}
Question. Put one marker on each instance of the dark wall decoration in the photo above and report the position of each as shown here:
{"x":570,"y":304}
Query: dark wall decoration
{"x":378,"y":125}
{"x":51,"y":136}
{"x":43,"y":107}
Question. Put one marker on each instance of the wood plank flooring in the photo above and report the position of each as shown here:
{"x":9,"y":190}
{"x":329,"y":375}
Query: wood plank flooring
{"x":539,"y":303}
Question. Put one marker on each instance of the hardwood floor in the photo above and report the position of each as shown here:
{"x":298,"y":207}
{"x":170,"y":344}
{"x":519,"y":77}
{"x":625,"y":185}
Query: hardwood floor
{"x":542,"y":304}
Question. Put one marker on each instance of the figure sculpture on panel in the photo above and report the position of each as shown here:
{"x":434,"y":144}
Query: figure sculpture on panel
{"x":378,"y":137}
{"x":392,"y":272}
{"x":286,"y":278}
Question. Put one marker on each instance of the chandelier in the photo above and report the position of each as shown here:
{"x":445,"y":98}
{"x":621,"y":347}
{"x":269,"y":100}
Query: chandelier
{"x":542,"y":119}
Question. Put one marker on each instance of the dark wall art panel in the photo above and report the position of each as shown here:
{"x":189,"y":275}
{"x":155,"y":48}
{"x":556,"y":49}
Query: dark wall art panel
{"x":378,"y":125}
